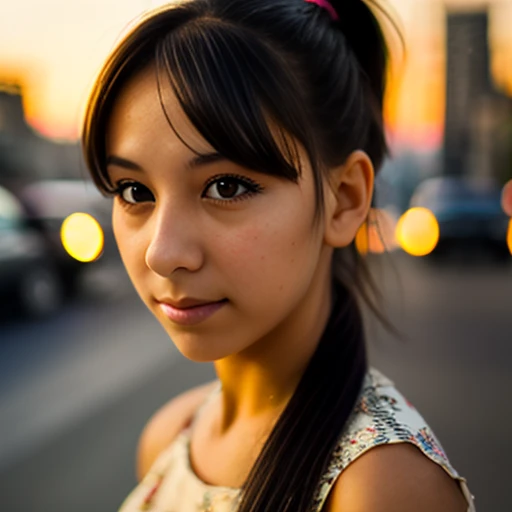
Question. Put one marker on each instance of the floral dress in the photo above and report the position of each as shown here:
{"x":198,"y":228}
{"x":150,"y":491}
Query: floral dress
{"x":381,"y":416}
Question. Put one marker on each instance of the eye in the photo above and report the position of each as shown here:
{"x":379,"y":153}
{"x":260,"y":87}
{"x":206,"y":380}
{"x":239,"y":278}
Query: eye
{"x":134,"y":193}
{"x":226,"y":188}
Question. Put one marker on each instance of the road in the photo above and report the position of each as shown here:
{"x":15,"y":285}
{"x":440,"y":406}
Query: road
{"x":75,"y":390}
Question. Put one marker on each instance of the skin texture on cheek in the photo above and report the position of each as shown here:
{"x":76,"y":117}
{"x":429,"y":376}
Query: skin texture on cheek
{"x":131,"y":246}
{"x":268,"y":264}
{"x":278,"y":246}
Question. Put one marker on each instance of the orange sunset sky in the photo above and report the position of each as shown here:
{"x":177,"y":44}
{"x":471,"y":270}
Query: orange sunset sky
{"x":55,"y":48}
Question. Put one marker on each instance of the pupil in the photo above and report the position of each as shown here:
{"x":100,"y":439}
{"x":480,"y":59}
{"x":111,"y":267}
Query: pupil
{"x":139,"y":194}
{"x":227,"y":188}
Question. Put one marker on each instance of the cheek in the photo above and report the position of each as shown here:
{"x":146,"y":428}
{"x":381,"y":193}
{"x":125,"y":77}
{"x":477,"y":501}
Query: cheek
{"x":131,"y":248}
{"x":272,"y":254}
{"x":120,"y":231}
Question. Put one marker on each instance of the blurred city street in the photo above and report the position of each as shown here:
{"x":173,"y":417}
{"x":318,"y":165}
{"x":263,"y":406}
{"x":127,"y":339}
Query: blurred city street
{"x":76,"y":389}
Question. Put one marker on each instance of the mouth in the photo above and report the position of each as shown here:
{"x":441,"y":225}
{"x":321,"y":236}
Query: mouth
{"x":190,"y":311}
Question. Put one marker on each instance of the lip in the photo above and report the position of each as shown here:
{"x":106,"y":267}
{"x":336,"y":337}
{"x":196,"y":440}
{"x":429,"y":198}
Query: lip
{"x":190,"y":311}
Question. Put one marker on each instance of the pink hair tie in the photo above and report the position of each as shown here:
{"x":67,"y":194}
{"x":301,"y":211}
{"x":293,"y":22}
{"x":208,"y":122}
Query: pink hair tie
{"x":324,"y":4}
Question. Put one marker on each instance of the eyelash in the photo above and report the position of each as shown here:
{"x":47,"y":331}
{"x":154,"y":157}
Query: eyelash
{"x":121,"y":186}
{"x":251,"y":186}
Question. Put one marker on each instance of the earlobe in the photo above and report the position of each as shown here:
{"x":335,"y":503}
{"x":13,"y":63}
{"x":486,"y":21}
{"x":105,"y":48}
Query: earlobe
{"x":348,"y":198}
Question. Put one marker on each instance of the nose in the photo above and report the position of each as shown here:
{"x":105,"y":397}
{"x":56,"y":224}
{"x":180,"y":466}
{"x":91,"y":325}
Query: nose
{"x":175,"y":243}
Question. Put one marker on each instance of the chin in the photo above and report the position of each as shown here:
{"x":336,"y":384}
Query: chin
{"x":196,"y":356}
{"x":199,"y":349}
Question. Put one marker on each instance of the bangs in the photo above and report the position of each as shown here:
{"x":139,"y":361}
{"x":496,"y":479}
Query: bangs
{"x":237,"y":94}
{"x":239,"y":90}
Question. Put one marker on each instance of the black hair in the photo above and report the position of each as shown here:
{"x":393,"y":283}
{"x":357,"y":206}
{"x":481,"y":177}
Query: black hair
{"x":278,"y":74}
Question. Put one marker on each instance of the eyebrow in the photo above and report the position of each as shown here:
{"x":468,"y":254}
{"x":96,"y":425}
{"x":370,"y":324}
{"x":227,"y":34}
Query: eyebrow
{"x":196,"y":161}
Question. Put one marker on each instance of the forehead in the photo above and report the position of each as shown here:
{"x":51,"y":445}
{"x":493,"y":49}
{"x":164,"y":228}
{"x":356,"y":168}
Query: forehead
{"x":146,"y":109}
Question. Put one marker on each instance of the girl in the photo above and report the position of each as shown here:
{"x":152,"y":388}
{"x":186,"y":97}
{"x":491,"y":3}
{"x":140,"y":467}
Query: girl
{"x":240,"y":140}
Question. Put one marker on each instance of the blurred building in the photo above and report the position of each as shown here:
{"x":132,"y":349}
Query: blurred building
{"x":12,"y":118}
{"x":26,"y":156}
{"x":477,"y":140}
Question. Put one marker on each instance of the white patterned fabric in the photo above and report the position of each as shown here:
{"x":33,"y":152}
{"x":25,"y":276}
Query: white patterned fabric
{"x":382,"y":416}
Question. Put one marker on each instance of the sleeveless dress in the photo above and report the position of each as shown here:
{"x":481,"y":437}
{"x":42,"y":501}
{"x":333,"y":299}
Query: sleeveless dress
{"x":381,"y":416}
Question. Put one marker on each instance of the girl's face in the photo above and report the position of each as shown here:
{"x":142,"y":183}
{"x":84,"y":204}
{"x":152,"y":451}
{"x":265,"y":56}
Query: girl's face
{"x":223,"y":256}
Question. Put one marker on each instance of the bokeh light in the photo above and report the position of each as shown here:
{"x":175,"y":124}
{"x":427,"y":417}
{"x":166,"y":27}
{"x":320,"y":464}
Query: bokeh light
{"x":509,"y":236}
{"x":377,"y":234}
{"x":506,"y":198}
{"x":417,"y":232}
{"x":82,"y":237}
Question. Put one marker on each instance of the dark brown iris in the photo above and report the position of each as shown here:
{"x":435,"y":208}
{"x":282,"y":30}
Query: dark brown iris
{"x":140,"y":193}
{"x":227,"y":188}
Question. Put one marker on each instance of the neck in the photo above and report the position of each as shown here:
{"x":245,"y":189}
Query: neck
{"x":260,"y":381}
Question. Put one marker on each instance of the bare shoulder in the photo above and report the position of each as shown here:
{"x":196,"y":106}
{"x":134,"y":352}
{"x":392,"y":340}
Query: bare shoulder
{"x":167,"y":423}
{"x":395,"y":478}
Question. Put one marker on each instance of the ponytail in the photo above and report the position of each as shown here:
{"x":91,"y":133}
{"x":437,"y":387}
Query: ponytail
{"x":285,"y":476}
{"x":370,"y":49}
{"x":368,"y":45}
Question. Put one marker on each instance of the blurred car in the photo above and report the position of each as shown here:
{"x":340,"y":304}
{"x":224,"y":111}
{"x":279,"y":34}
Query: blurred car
{"x":468,"y":212}
{"x":29,"y":276}
{"x":38,"y":266}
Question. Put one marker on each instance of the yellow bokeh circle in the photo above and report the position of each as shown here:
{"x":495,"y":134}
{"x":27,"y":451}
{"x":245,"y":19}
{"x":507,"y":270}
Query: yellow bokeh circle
{"x":82,"y":237}
{"x":417,"y":232}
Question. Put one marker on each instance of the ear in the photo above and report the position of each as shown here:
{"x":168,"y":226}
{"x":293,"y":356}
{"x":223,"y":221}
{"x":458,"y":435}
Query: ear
{"x":506,"y":198}
{"x":348,"y":197}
